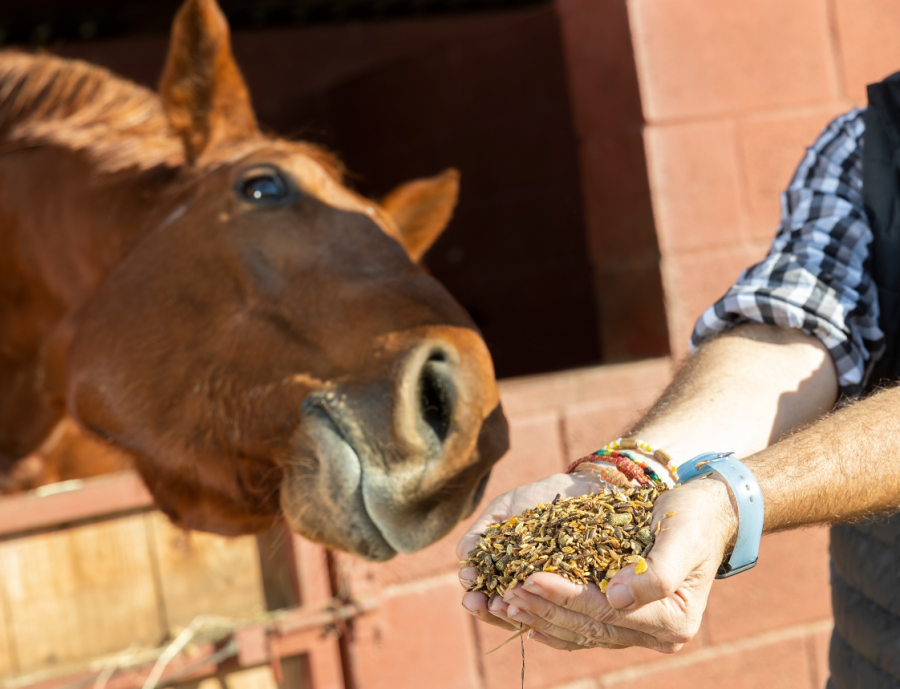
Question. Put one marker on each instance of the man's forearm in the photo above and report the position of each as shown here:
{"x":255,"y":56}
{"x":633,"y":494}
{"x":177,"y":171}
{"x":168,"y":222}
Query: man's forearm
{"x":760,"y":384}
{"x":741,"y":393}
{"x":843,"y":468}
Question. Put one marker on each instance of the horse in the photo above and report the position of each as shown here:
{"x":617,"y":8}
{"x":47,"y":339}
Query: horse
{"x":217,"y":307}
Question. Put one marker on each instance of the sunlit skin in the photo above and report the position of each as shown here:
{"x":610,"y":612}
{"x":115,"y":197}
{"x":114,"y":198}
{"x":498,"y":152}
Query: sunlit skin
{"x":765,"y":394}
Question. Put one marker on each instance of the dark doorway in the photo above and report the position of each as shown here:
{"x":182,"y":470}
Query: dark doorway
{"x":485,"y":93}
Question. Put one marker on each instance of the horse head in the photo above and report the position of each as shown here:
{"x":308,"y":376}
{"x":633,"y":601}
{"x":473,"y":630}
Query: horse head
{"x":272,"y":346}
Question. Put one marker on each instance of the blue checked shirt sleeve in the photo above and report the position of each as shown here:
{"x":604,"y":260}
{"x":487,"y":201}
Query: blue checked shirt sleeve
{"x":815,"y":277}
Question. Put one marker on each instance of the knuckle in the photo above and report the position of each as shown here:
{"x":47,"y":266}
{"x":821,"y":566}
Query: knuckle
{"x":566,"y":601}
{"x":591,"y":634}
{"x":680,"y":636}
{"x":663,"y":583}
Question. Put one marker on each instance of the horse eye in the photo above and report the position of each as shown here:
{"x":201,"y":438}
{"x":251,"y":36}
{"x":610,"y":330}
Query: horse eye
{"x":266,"y":186}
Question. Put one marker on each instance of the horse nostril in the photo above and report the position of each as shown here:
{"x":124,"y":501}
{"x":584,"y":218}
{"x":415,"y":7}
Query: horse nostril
{"x":436,"y":395}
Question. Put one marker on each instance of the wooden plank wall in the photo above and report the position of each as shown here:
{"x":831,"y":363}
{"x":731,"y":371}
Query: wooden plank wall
{"x":73,"y":595}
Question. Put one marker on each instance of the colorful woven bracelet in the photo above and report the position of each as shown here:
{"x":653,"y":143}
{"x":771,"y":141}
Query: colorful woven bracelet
{"x":624,"y":463}
{"x":627,"y":467}
{"x":611,"y":475}
{"x":657,"y":454}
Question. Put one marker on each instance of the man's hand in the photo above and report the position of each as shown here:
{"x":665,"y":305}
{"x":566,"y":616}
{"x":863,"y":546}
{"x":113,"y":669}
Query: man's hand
{"x":660,"y":609}
{"x":499,"y":510}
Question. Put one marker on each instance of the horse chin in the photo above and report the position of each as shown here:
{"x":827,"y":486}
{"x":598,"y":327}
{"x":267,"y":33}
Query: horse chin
{"x":322,"y":496}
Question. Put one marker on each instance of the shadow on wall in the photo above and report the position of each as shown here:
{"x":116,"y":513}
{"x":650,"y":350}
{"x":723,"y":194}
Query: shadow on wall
{"x":485,"y":93}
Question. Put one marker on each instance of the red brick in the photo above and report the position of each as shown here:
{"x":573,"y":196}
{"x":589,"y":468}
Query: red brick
{"x":545,"y":667}
{"x":867,"y":34}
{"x":418,"y":639}
{"x":788,"y":587}
{"x":706,"y":57}
{"x":818,"y":646}
{"x":696,"y":281}
{"x":535,"y":452}
{"x":555,"y":391}
{"x":771,"y":147}
{"x":695,"y":180}
{"x":590,"y":425}
{"x":781,"y":665}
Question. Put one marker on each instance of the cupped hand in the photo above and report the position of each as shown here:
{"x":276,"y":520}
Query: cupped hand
{"x":660,"y":609}
{"x":499,"y":510}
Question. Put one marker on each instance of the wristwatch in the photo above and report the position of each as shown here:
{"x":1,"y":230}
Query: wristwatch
{"x":749,"y":501}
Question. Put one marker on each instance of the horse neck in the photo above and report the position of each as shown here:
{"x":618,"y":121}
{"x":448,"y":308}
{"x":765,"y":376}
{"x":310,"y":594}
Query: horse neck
{"x":65,"y":224}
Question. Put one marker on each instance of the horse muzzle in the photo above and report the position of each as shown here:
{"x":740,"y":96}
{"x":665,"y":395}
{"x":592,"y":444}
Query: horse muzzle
{"x":391,"y":464}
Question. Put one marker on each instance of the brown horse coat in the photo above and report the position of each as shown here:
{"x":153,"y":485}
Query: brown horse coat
{"x":215,"y":304}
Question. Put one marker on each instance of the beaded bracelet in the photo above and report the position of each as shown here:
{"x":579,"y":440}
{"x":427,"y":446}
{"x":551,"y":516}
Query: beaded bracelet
{"x":611,"y":475}
{"x":627,"y":467}
{"x":635,"y":444}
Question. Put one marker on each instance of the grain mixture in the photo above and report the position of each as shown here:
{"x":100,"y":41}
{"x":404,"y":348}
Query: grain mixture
{"x":585,"y":539}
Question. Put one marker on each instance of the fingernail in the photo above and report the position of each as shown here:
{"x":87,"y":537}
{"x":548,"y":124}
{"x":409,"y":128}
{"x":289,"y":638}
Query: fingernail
{"x":467,"y":575}
{"x":533,"y":588}
{"x":520,"y":615}
{"x":471,"y":612}
{"x":518,"y":602}
{"x":537,"y":636}
{"x":619,"y":596}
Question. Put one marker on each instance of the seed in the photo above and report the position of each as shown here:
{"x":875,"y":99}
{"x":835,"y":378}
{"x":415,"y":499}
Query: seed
{"x":586,"y":539}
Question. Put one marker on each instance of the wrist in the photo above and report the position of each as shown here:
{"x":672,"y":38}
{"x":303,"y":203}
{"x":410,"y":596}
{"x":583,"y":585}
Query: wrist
{"x":725,"y":508}
{"x":741,"y":486}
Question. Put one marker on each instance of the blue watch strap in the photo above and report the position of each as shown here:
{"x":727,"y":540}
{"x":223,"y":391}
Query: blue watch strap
{"x":751,"y":509}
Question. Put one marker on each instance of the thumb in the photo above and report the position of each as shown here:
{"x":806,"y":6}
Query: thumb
{"x":683,"y":548}
{"x":663,"y":577}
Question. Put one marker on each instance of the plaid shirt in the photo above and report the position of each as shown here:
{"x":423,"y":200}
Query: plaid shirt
{"x":816,"y":276}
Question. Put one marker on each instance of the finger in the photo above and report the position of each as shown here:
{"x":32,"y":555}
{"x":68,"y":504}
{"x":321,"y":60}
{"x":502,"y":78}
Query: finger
{"x":497,"y":510}
{"x":467,"y":576}
{"x":565,"y":624}
{"x":560,"y":645}
{"x":476,"y":604}
{"x":675,"y":554}
{"x":552,"y":641}
{"x":499,"y":609}
{"x":588,"y":600}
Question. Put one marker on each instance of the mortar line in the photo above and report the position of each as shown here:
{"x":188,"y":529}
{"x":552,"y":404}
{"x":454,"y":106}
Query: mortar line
{"x":678,"y":660}
{"x":837,"y":55}
{"x":810,"y":649}
{"x":420,"y":586}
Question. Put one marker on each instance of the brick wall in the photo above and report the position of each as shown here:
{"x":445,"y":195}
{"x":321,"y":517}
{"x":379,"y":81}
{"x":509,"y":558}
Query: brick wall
{"x":768,"y":625}
{"x":732,"y":93}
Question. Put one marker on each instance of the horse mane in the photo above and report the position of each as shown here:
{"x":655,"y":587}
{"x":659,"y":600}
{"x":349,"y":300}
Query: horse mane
{"x":48,"y":100}
{"x":73,"y":104}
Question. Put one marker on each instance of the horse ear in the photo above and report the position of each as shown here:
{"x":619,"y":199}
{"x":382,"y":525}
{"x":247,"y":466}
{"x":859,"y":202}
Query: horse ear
{"x":202,"y":90}
{"x":422,"y":208}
